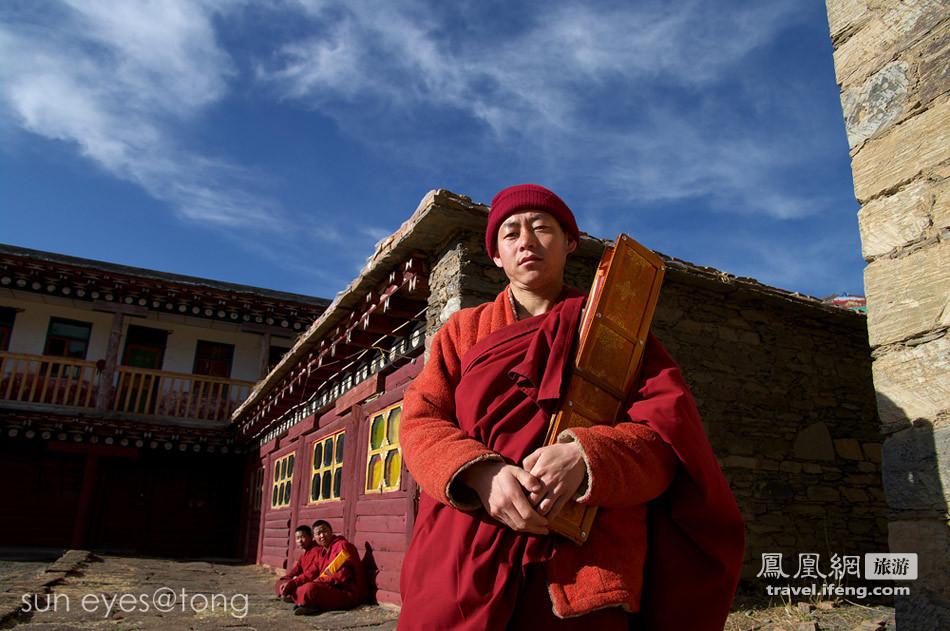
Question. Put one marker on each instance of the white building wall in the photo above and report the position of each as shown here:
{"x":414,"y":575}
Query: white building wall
{"x":35,"y":310}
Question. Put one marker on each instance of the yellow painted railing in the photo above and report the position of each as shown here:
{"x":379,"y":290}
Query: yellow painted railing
{"x":177,"y":395}
{"x":50,"y":380}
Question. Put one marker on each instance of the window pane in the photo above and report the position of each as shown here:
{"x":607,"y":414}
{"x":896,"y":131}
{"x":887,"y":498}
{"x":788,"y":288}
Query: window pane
{"x":273,"y":499}
{"x":376,"y":432}
{"x":315,"y":488}
{"x":328,"y":454}
{"x":142,"y":357}
{"x":317,"y":455}
{"x":7,"y":316}
{"x":393,"y":468}
{"x":56,"y":346}
{"x":327,"y":485}
{"x":77,"y":349}
{"x":337,"y":482}
{"x":276,"y":472}
{"x":392,"y":432}
{"x":290,"y":465}
{"x":374,"y":472}
{"x":283,"y":468}
{"x":216,"y":350}
{"x":339,"y":449}
{"x":72,"y":331}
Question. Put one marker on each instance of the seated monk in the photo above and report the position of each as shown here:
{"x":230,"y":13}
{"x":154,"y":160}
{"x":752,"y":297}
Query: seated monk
{"x":328,"y":576}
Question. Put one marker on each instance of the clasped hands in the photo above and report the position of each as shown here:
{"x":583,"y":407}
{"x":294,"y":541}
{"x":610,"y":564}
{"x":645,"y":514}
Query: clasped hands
{"x":523,"y":498}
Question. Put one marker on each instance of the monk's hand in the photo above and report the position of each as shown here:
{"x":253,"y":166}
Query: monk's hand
{"x":561,"y":469}
{"x":503,"y":490}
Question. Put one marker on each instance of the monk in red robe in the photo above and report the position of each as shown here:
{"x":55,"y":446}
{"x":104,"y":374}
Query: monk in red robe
{"x":668,"y":538}
{"x":328,"y":576}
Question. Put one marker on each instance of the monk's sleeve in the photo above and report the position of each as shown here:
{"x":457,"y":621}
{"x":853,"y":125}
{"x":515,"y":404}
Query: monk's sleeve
{"x":633,"y":451}
{"x":293,"y":571}
{"x":311,"y":568}
{"x":341,"y":568}
{"x":434,"y":447}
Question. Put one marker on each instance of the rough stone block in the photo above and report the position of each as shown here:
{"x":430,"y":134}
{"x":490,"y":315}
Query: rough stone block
{"x":849,"y":449}
{"x":814,"y":443}
{"x":934,"y":68}
{"x":790,"y":466}
{"x":912,"y":214}
{"x":823,"y":494}
{"x":740,"y":461}
{"x":913,"y":382}
{"x":910,"y":295}
{"x":916,"y":145}
{"x":912,"y":475}
{"x":892,"y":26}
{"x":872,"y":451}
{"x":854,"y":495}
{"x":846,"y":17}
{"x":881,"y":99}
{"x":930,"y":539}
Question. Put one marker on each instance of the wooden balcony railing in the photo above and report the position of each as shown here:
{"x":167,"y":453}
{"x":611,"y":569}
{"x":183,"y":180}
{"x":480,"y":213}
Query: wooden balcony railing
{"x":75,"y":383}
{"x":178,"y":395}
{"x":50,"y":380}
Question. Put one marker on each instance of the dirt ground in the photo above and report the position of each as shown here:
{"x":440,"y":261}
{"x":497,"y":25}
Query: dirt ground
{"x":759,"y":612}
{"x":148,"y":594}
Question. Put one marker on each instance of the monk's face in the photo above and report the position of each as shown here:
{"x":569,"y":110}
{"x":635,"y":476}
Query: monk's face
{"x":303,"y":540}
{"x":532,"y":249}
{"x":323,"y":535}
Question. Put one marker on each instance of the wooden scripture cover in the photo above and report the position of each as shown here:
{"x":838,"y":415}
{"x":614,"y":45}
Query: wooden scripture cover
{"x":611,"y":340}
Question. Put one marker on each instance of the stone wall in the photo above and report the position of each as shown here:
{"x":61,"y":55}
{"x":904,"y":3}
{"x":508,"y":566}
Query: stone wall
{"x":784,"y":389}
{"x":783,"y":385}
{"x":892,"y":61}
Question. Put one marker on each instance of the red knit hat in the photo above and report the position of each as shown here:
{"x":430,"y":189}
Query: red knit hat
{"x":515,"y":199}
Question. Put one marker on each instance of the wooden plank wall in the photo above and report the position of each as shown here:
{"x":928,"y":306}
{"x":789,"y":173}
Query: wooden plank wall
{"x":378,"y":524}
{"x":41,"y":492}
{"x":383,"y":521}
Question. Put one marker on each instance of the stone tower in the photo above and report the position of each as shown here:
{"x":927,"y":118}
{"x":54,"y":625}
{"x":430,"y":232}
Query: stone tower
{"x":892,"y":61}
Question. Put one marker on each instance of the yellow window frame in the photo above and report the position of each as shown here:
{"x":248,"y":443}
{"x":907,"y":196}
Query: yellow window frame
{"x":283,"y":481}
{"x":326,"y":468}
{"x":384,"y":454}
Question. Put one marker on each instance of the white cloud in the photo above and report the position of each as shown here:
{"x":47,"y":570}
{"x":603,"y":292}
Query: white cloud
{"x":120,"y":80}
{"x":577,"y":88}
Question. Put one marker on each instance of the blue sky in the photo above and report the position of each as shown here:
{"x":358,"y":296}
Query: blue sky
{"x":273,"y":143}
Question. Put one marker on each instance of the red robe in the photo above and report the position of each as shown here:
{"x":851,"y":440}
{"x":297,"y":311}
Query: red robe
{"x":487,"y":393}
{"x":305,"y":569}
{"x":331,"y":578}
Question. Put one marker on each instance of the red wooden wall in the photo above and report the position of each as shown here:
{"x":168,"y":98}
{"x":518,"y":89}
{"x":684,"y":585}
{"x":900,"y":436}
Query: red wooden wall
{"x":147,"y":501}
{"x":378,"y":524}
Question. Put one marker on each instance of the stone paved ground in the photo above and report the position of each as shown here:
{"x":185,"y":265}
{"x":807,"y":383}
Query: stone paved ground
{"x":126,"y":593}
{"x":139,"y":593}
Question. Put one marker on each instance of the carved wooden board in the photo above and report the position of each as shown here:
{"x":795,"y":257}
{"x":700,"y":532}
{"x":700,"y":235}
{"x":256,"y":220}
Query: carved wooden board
{"x":611,"y":341}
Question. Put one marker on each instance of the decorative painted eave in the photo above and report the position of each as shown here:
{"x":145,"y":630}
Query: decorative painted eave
{"x":85,"y":280}
{"x":439,"y":215}
{"x":117,"y":431}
